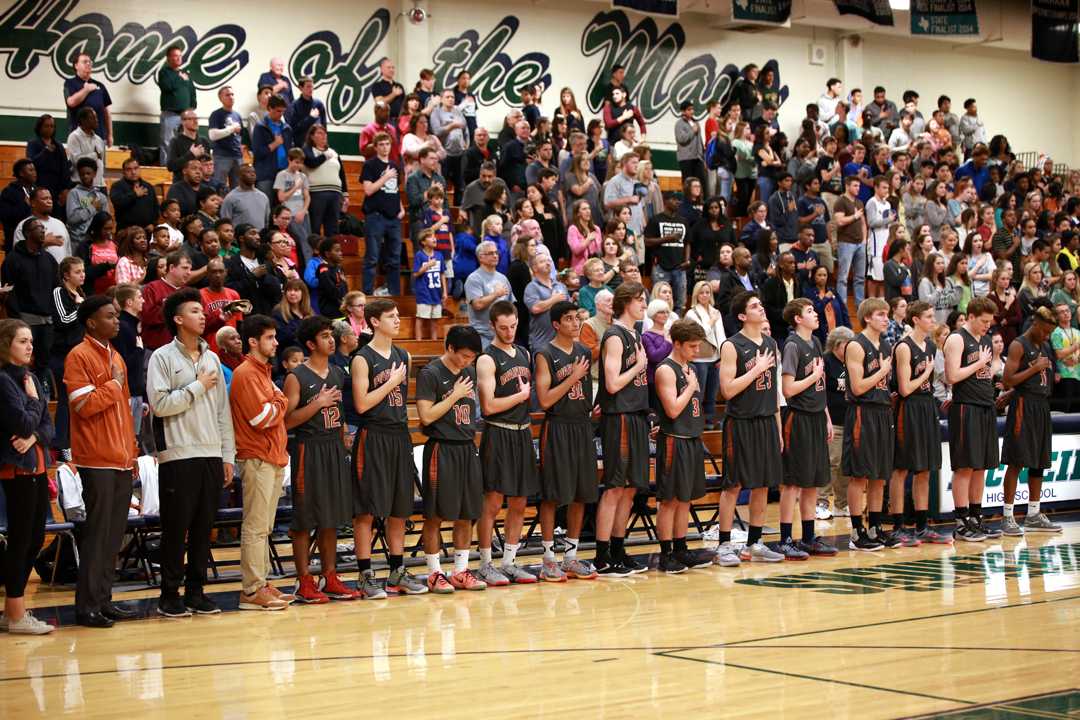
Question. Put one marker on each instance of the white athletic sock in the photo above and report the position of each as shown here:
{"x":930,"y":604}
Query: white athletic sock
{"x":1033,"y":508}
{"x":461,"y":560}
{"x":509,"y":553}
{"x":549,"y":550}
{"x":433,"y":564}
{"x":571,"y":549}
{"x":485,"y":555}
{"x":1008,"y":509}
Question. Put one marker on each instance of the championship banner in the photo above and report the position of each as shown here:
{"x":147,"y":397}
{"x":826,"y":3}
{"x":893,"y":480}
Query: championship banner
{"x":878,"y":12}
{"x":1055,"y":25}
{"x":944,"y":17}
{"x":774,"y":12}
{"x":664,"y":8}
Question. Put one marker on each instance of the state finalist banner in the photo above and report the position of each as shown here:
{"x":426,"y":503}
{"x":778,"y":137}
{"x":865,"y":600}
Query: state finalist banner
{"x":1061,"y":481}
{"x":777,"y":12}
{"x":878,"y":12}
{"x":944,"y":17}
{"x":665,"y":8}
{"x":1054,"y":30}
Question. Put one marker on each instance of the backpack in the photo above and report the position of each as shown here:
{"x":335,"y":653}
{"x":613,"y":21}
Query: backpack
{"x":717,"y":155}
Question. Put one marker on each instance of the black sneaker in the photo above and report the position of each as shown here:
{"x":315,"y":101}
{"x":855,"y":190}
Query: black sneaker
{"x":694,"y":558}
{"x":632,"y":565}
{"x":670,"y":566}
{"x":888,"y":538}
{"x":172,"y":606}
{"x":967,"y":532}
{"x":863,"y":542}
{"x":988,"y":531}
{"x":200,"y":604}
{"x":612,"y":570}
{"x":817,"y":548}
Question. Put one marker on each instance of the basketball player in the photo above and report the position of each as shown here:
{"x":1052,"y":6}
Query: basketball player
{"x":623,"y":397}
{"x":680,"y":455}
{"x":322,"y":491}
{"x":452,"y":485}
{"x":807,"y":432}
{"x":973,"y":445}
{"x":918,"y":438}
{"x":868,"y":430}
{"x":567,"y":452}
{"x":383,"y":469}
{"x":752,"y":450}
{"x":507,"y":458}
{"x":1028,"y":370}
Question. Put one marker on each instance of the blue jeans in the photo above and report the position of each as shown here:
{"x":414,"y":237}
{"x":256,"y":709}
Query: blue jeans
{"x":677,"y":279}
{"x":725,"y":180}
{"x":853,"y":259}
{"x":227,"y":170}
{"x":170,"y":125}
{"x":708,"y":377}
{"x":382,"y":241}
{"x":325,"y":212}
{"x":765,"y":186}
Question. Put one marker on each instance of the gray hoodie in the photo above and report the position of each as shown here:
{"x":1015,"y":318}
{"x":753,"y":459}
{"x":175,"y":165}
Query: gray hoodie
{"x":189,"y":420}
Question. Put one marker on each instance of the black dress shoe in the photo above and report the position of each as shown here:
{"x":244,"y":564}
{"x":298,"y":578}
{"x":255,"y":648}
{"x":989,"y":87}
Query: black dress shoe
{"x":94,"y":620}
{"x":118,"y":612}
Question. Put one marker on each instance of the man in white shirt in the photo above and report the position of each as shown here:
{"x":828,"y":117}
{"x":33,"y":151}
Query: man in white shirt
{"x":57,"y":241}
{"x":827,"y":102}
{"x":620,"y":190}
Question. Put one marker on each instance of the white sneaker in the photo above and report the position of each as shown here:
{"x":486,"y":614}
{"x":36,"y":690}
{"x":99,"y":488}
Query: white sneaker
{"x":712,"y":534}
{"x":727,"y":555}
{"x":738,"y":536}
{"x":29,"y":625}
{"x":841,"y":512}
{"x":760,"y":552}
{"x":822,"y":512}
{"x":381,"y":292}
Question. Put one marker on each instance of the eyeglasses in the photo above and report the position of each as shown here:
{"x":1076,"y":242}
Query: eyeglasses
{"x":355,"y":307}
{"x":279,"y":242}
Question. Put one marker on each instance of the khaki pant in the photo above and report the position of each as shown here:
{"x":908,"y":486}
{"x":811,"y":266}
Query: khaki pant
{"x":262,"y":490}
{"x":839,"y":483}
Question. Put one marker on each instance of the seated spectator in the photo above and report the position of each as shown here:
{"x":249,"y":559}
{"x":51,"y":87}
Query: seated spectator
{"x":294,"y":307}
{"x":246,"y":205}
{"x":133,"y":199}
{"x":85,"y":144}
{"x":270,"y":142}
{"x":15,"y":199}
{"x":831,"y":310}
{"x":185,"y":191}
{"x":483,"y":287}
{"x":54,"y":171}
{"x":132,"y":250}
{"x":187,"y":145}
{"x":84,"y":200}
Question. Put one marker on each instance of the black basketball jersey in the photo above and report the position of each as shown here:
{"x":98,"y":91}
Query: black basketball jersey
{"x":510,"y":370}
{"x":326,"y":422}
{"x":634,"y":397}
{"x":872,"y":357}
{"x":977,"y":389}
{"x":799,"y":359}
{"x":436,"y":382}
{"x":760,"y":398}
{"x":391,"y":412}
{"x":1039,"y":383}
{"x":690,"y":422}
{"x":920,"y":360}
{"x":576,"y":404}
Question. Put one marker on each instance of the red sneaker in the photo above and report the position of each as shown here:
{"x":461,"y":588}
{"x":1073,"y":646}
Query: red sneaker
{"x":307,"y":592}
{"x":336,"y":589}
{"x":438,"y":584}
{"x":465,"y":580}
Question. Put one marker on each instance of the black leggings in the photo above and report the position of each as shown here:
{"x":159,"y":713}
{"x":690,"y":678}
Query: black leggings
{"x":27,"y":507}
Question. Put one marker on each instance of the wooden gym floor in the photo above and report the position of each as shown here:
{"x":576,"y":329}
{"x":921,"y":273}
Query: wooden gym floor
{"x":975,"y":631}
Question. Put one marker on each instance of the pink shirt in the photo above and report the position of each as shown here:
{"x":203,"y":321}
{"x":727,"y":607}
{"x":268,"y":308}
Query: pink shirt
{"x":582,"y":247}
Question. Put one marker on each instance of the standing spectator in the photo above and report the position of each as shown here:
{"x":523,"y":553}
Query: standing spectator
{"x":829,"y":99}
{"x":15,"y":199}
{"x":133,"y":199}
{"x":67,"y":333}
{"x":383,"y":213}
{"x":704,"y":314}
{"x":84,"y":201}
{"x":185,"y":191}
{"x":294,"y":308}
{"x":257,"y":115}
{"x":783,"y":212}
{"x":593,"y":329}
{"x":177,"y":95}
{"x":813,"y":212}
{"x":187,"y":145}
{"x":897,"y":271}
{"x":57,"y":240}
{"x":225,"y":126}
{"x":450,"y":126}
{"x":836,"y":402}
{"x":292,"y":190}
{"x":776,"y":292}
{"x":85,"y":144}
{"x":222,"y":305}
{"x":882,"y":112}
{"x":128,"y":344}
{"x":250,"y":274}
{"x":859,"y":169}
{"x":832,"y":313}
{"x":32,"y":274}
{"x":689,"y":149}
{"x":1066,"y":343}
{"x":245,"y":204}
{"x":972,"y":130}
{"x":258,"y":409}
{"x":332,"y":287}
{"x":1005,"y":246}
{"x":25,"y":433}
{"x":104,"y":451}
{"x":667,"y":234}
{"x":80,"y":91}
{"x":132,"y":249}
{"x":191,"y":416}
{"x":620,"y":191}
{"x":544,"y":150}
{"x":540,"y":295}
{"x":579,"y":183}
{"x":388,"y":91}
{"x":483,"y":150}
{"x":1007,"y":317}
{"x":934,"y":289}
{"x":276,"y":80}
{"x":514,"y":159}
{"x":381,"y":124}
{"x":483,"y":287}
{"x":155,"y":325}
{"x":473,"y":202}
{"x":305,"y":112}
{"x":270,"y":142}
{"x":880,"y":216}
{"x":583,"y":237}
{"x":326,"y":176}
{"x":425,"y":176}
{"x":50,"y":160}
{"x":851,"y":237}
